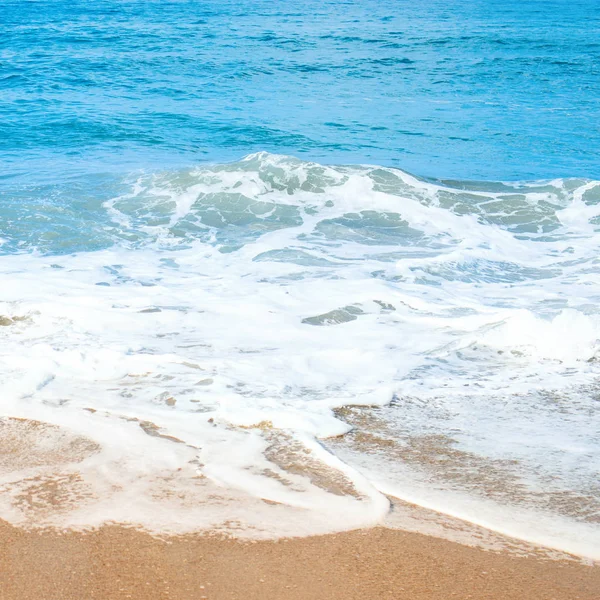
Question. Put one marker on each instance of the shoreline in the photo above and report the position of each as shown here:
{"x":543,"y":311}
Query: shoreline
{"x":118,"y":562}
{"x":414,"y":553}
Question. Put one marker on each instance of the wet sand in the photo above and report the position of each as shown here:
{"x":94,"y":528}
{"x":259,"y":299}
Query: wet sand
{"x":117,"y":562}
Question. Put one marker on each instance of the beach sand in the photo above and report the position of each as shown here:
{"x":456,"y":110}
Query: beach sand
{"x":417,"y":555}
{"x":118,"y":562}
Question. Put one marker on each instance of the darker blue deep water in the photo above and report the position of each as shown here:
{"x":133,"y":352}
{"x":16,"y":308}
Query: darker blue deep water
{"x":481,"y":89}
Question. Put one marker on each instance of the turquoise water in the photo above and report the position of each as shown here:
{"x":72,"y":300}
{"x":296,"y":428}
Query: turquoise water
{"x":215,"y":215}
{"x":468,"y":90}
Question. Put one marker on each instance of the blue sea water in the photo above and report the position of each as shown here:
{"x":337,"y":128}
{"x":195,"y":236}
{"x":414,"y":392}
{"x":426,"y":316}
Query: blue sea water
{"x":466,"y":90}
{"x":316,"y":205}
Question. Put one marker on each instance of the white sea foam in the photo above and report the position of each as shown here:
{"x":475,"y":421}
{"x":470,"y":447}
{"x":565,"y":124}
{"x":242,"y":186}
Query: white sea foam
{"x":248,"y":301}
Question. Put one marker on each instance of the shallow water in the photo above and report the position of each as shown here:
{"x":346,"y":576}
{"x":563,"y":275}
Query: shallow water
{"x":206,"y":330}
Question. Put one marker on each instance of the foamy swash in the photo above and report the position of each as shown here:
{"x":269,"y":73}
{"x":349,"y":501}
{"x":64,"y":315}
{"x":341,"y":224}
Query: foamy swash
{"x":190,"y":347}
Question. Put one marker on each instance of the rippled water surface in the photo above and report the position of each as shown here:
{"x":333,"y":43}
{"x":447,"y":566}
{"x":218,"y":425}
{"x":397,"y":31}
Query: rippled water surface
{"x":479,"y":89}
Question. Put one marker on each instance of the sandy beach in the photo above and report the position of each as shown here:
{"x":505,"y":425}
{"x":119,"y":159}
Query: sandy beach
{"x":419,"y":553}
{"x":117,"y":562}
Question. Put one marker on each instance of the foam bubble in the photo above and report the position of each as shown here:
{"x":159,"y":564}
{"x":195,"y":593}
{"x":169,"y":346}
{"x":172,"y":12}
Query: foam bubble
{"x":240,"y":300}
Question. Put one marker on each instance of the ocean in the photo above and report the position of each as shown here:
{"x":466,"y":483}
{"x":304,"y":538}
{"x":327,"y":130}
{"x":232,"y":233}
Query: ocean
{"x":265,"y":265}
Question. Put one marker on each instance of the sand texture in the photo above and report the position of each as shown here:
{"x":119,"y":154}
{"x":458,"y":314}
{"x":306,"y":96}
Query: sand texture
{"x":117,"y":562}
